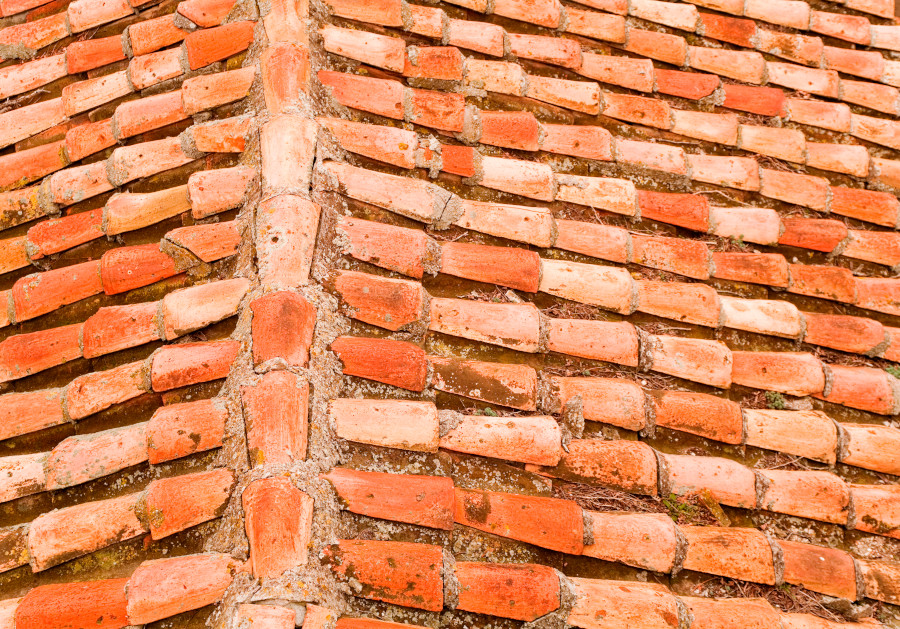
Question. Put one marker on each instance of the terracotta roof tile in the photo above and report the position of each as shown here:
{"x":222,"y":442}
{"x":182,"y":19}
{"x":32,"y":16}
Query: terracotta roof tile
{"x":396,"y":572}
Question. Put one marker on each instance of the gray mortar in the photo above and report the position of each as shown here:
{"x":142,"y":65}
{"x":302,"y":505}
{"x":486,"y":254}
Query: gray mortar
{"x":777,"y":559}
{"x":448,"y":421}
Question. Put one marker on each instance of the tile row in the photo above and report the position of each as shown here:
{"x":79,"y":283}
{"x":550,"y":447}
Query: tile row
{"x":156,"y":590}
{"x":74,"y":184}
{"x":174,"y":431}
{"x":448,"y":112}
{"x":137,"y":40}
{"x":633,"y":73}
{"x":170,"y":367}
{"x":206,"y":193}
{"x":113,"y":328}
{"x":167,"y":506}
{"x":629,"y":466}
{"x":431,"y":204}
{"x":691,"y":211}
{"x":787,"y":13}
{"x":528,"y":591}
{"x":712,"y":363}
{"x":117,"y":271}
{"x":722,"y":613}
{"x":806,"y":50}
{"x":126,"y":163}
{"x":525,"y":270}
{"x":623,"y":403}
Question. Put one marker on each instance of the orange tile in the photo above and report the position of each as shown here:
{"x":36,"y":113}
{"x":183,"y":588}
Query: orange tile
{"x":807,"y":494}
{"x":881,"y":579}
{"x":166,"y":587}
{"x":411,"y":498}
{"x":93,"y":392}
{"x":795,"y":373}
{"x":196,"y":307}
{"x":592,"y":239}
{"x":392,"y":362}
{"x":206,"y":13}
{"x":125,"y":268}
{"x":622,"y":604}
{"x":846,"y":333}
{"x":55,"y":235}
{"x":685,"y":210}
{"x":58,"y":536}
{"x":688,"y":302}
{"x":738,"y":553}
{"x":82,"y":56}
{"x":282,"y":327}
{"x":624,"y":465}
{"x":153,"y":68}
{"x":84,"y":15}
{"x":151,"y":35}
{"x":865,"y":388}
{"x":728,"y":29}
{"x":437,"y":109}
{"x":707,"y":362}
{"x":841,"y":158}
{"x":145,"y":114}
{"x":209,"y":241}
{"x":278,"y":521}
{"x":189,"y":363}
{"x":763,"y":316}
{"x":506,"y":266}
{"x":617,"y":402}
{"x":478,"y":36}
{"x":531,"y":439}
{"x":577,"y":141}
{"x":40,"y":293}
{"x":275,"y":413}
{"x":372,"y":49}
{"x":744,"y":66}
{"x":268,"y":616}
{"x":871,"y":446}
{"x":518,"y":591}
{"x":651,"y":155}
{"x":810,"y":434}
{"x":510,"y":129}
{"x":826,"y":570}
{"x":729,"y":482}
{"x":178,"y":430}
{"x":802,"y":49}
{"x":286,"y":226}
{"x":434,"y":62}
{"x":395,"y":248}
{"x":389,"y":423}
{"x":596,"y":25}
{"x":750,"y":613}
{"x":691,"y":85}
{"x":762,"y":268}
{"x":833,"y":116}
{"x":699,"y":414}
{"x":552,"y":50}
{"x":497,"y":383}
{"x":208,"y":91}
{"x":732,"y":172}
{"x":385,"y":144}
{"x":656,"y":45}
{"x":382,"y":12}
{"x":876,"y":509}
{"x":812,"y":80}
{"x":401,"y":573}
{"x":614,"y":195}
{"x":427,"y":21}
{"x":533,"y":225}
{"x":804,"y":190}
{"x":827,"y":282}
{"x":545,"y":522}
{"x":99,"y":603}
{"x":631,"y":73}
{"x":643,"y":540}
{"x":765,"y":101}
{"x":685,"y":257}
{"x":810,"y":233}
{"x":23,"y":413}
{"x":206,"y":46}
{"x":615,"y":342}
{"x":881,"y":208}
{"x":651,"y":112}
{"x":81,"y":458}
{"x":583,"y":96}
{"x":175,"y":504}
{"x":89,"y":138}
{"x":878,"y":294}
{"x":516,"y":326}
{"x":388,"y":303}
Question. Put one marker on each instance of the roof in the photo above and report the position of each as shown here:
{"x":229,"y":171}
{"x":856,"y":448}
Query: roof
{"x":366,"y":314}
